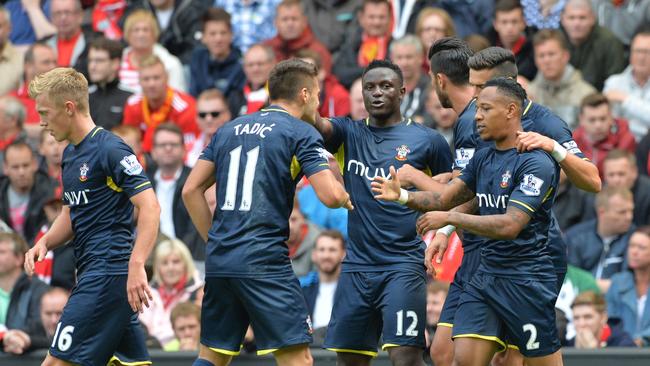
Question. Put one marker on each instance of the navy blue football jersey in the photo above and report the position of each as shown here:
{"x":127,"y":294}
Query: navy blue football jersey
{"x":382,"y":234}
{"x":527,"y":181}
{"x":536,"y":118}
{"x":258,"y":160}
{"x":100,"y":174}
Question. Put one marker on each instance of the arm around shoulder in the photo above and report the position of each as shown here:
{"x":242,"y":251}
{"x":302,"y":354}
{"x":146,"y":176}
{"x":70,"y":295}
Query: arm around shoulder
{"x":329,"y":190}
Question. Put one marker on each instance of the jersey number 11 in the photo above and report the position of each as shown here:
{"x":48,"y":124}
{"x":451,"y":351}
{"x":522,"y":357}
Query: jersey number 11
{"x":233,"y":179}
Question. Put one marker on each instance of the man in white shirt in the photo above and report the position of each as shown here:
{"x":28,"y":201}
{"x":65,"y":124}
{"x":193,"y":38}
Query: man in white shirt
{"x":168,"y":152}
{"x":319,"y":286}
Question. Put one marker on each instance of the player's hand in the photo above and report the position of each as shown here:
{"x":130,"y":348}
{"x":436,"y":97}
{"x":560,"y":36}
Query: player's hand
{"x":387,"y":189}
{"x":348,"y":204}
{"x":442,"y":178}
{"x":405,"y":175}
{"x":38,"y":252}
{"x":137,"y":288}
{"x":527,"y":141}
{"x":437,"y":249}
{"x":432,"y":220}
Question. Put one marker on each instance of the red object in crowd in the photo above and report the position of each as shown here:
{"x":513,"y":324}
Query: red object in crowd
{"x":446,"y":270}
{"x":22,"y":94}
{"x":106,"y":15}
{"x":619,"y":137}
{"x":181,"y":110}
{"x":287,"y":49}
{"x":336,"y":99}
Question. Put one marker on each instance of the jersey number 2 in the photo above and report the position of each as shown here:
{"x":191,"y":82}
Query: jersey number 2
{"x":233,"y":178}
{"x":532,"y":341}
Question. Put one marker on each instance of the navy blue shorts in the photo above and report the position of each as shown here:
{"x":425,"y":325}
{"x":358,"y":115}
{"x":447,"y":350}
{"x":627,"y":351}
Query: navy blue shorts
{"x":98,"y":325}
{"x":368,"y":305}
{"x":274,"y":306}
{"x":508,"y":311}
{"x":463,"y":275}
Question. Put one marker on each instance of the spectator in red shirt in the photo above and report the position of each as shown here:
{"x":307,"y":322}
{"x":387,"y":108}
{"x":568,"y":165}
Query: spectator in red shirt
{"x":599,"y":132}
{"x":159,"y":103}
{"x":295,"y":34}
{"x":334,"y":98}
{"x":39,"y":58}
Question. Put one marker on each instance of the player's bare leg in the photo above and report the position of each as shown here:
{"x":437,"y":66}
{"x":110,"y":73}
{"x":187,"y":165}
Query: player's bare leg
{"x":473,"y":351}
{"x":405,"y":356}
{"x":554,"y":359}
{"x":53,"y":361}
{"x":511,"y":357}
{"x":298,"y":355}
{"x":216,"y":358}
{"x":442,"y":348}
{"x":352,"y":359}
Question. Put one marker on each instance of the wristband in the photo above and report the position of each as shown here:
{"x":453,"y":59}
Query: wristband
{"x":403,"y":196}
{"x":559,"y":152}
{"x":447,"y":230}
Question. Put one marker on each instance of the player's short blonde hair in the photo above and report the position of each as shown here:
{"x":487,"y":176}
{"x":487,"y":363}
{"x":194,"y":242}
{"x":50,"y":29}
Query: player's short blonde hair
{"x":141,"y":15}
{"x":61,"y":85}
{"x":168,"y":247}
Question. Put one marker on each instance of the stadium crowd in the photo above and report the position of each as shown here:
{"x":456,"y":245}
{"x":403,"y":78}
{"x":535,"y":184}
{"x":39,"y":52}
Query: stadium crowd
{"x":166,"y":74}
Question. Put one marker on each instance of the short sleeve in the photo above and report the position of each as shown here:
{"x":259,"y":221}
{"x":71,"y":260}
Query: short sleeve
{"x":310,"y":152}
{"x":551,"y":125}
{"x":439,"y":159}
{"x":125,"y":169}
{"x":340,"y":126}
{"x":465,"y":143}
{"x":534,"y":181}
{"x":468,"y":174}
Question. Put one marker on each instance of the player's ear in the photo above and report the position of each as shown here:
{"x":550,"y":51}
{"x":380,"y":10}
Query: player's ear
{"x":70,"y":107}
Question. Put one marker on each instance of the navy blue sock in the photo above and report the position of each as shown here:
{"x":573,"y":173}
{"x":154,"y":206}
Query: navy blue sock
{"x":202,"y":362}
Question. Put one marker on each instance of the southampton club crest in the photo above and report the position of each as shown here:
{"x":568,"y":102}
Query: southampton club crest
{"x":402,"y":151}
{"x":504,"y":179}
{"x":83,"y":172}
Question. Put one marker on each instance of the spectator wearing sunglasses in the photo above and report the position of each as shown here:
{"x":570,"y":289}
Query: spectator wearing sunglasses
{"x":212,"y":113}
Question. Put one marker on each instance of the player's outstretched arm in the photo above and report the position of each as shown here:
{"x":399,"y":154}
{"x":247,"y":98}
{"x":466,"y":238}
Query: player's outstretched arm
{"x":329,"y":190}
{"x":60,"y":233}
{"x":137,"y":286}
{"x":411,"y":177}
{"x":452,"y":195}
{"x":200,"y":179}
{"x":323,"y":125}
{"x":582,"y":173}
{"x":506,"y":226}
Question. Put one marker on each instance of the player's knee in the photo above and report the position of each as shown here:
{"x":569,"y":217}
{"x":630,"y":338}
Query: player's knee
{"x":406,"y":356}
{"x":352,"y":359}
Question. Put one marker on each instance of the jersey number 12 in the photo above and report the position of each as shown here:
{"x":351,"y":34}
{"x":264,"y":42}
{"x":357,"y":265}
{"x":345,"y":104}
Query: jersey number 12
{"x":233,"y":178}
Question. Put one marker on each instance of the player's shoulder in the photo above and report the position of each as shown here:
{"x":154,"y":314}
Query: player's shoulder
{"x":538,"y":157}
{"x":543,"y":117}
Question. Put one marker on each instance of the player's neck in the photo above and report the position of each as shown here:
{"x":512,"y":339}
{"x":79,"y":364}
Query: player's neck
{"x":81,"y":127}
{"x":460,"y":98}
{"x":391,"y":120}
{"x":510,"y":141}
{"x":291,"y":108}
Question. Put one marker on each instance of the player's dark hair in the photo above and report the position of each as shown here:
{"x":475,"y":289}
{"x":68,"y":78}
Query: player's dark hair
{"x":387,"y":64}
{"x":18,"y":144}
{"x":114,"y":48}
{"x":501,"y":61}
{"x":288,"y":77}
{"x":333,"y":234}
{"x":593,"y":100}
{"x":506,"y":5}
{"x":449,"y":56}
{"x":216,"y":15}
{"x":508,"y":87}
{"x":169,"y":127}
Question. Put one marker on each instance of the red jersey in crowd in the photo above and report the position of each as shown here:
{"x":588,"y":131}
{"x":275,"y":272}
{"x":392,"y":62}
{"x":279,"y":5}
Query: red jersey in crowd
{"x":619,"y":137}
{"x":178,"y":108}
